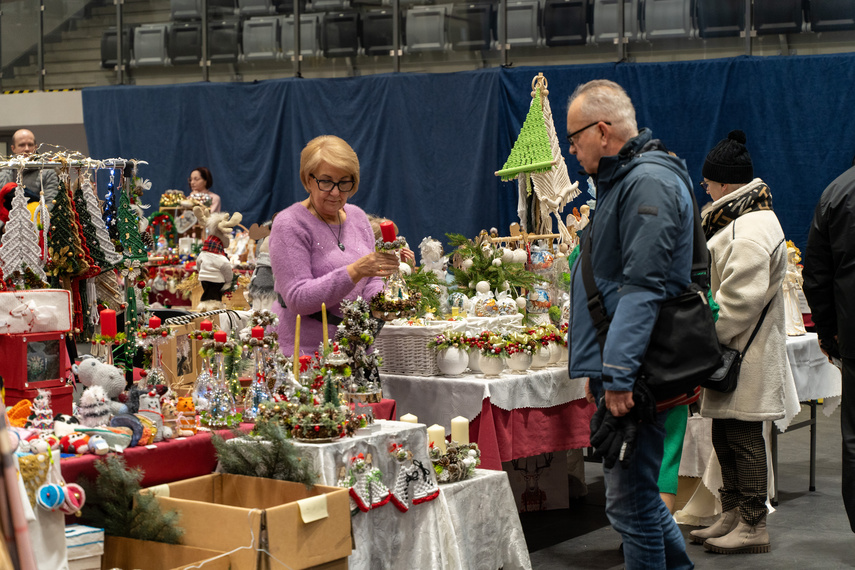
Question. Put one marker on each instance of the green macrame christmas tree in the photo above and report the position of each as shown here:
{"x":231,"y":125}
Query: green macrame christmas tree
{"x":89,"y":229}
{"x":532,"y":151}
{"x":94,"y":229}
{"x":129,"y":233}
{"x":67,"y":251}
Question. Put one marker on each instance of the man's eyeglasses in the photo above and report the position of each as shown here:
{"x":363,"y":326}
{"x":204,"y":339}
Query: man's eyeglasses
{"x":705,"y":185}
{"x":586,"y":127}
{"x":344,"y":186}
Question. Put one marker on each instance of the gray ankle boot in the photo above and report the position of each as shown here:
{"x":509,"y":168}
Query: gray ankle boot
{"x":725,"y":523}
{"x":744,"y":539}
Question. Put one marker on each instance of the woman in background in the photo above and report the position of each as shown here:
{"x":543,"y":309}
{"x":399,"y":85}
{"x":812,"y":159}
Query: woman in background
{"x":200,"y":182}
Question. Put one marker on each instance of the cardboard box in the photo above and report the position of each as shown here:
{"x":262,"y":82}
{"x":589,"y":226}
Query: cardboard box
{"x":129,"y":554}
{"x":302,"y":527}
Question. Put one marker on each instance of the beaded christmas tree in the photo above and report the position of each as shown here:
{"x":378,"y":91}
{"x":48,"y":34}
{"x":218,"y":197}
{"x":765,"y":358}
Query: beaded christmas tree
{"x":129,"y":232}
{"x":19,"y":249}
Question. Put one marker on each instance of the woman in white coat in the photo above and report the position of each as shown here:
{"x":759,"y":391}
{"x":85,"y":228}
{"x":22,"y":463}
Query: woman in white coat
{"x":748,"y":264}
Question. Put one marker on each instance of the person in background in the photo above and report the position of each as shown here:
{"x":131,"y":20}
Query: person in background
{"x":322,"y":248}
{"x":748,"y":263}
{"x":829,"y":286}
{"x":641,"y":253}
{"x":200,"y":182}
{"x":35,"y":180}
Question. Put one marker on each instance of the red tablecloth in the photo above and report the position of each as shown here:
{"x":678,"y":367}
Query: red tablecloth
{"x":178,"y":459}
{"x":503,"y":435}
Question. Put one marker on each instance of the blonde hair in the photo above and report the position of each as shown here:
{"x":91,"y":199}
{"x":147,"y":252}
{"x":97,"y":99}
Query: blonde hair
{"x":333,"y":151}
{"x":607,"y":101}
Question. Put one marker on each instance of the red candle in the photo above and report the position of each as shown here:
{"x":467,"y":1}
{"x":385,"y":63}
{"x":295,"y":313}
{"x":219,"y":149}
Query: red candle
{"x":154,"y":322}
{"x":387,"y":229}
{"x":206,"y":325}
{"x":108,"y":322}
{"x":221,"y":336}
{"x":258,"y":332}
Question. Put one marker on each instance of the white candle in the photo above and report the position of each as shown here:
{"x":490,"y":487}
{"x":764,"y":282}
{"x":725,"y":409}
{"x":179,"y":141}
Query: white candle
{"x":436,"y":436}
{"x":410,"y":419}
{"x":460,"y":429}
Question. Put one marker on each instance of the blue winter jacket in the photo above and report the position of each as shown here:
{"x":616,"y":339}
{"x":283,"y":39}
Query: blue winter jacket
{"x":641,"y":254}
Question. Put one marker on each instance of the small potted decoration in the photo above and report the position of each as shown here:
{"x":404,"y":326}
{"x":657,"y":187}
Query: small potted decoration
{"x":457,"y":463}
{"x":520,"y":348}
{"x":452,"y":356}
{"x":493,"y":352}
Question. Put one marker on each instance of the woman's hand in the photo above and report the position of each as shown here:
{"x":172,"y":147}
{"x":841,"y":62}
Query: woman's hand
{"x":374,"y":264}
{"x":407,"y":256}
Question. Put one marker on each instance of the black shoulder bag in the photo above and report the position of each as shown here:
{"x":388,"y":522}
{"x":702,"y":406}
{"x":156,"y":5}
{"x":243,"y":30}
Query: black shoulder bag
{"x":683,"y":350}
{"x":724,"y":379}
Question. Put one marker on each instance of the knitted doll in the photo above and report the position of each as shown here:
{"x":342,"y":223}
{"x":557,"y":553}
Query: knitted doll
{"x":215,"y":270}
{"x":260,"y":291}
{"x":75,"y":442}
{"x":93,"y":410}
{"x":92,"y":372}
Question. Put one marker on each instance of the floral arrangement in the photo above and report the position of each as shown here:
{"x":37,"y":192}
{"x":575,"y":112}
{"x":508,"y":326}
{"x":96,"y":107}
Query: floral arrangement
{"x":171,"y":199}
{"x":458,"y":462}
{"x":494,"y":346}
{"x":448,"y":339}
{"x":400,"y":307}
{"x":318,"y":422}
{"x":426,"y":284}
{"x":387,"y":246}
{"x":520,"y":343}
{"x":481,"y":262}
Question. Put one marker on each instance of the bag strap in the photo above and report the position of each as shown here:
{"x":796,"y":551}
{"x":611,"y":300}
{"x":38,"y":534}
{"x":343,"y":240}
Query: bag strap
{"x":757,"y":327}
{"x":700,"y":273}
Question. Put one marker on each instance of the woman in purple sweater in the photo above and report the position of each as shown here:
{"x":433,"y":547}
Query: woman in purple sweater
{"x":322,"y":249}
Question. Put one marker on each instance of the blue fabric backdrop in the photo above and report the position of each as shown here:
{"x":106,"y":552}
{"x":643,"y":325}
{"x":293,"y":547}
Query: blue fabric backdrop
{"x":429,"y":143}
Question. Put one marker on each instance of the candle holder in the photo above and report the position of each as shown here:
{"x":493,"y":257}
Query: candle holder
{"x":258,"y":391}
{"x":202,"y":387}
{"x":221,"y":410}
{"x":154,"y":337}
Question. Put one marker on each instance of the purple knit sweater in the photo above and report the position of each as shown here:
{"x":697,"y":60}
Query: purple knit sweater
{"x":310,"y":269}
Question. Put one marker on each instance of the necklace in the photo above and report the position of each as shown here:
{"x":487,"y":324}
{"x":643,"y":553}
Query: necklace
{"x":337,"y":237}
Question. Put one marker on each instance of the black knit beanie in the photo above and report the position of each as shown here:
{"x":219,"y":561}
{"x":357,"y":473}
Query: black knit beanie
{"x":729,"y":162}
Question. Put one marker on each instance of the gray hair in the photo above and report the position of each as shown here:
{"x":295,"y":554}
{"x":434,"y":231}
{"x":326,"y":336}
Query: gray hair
{"x":607,"y":101}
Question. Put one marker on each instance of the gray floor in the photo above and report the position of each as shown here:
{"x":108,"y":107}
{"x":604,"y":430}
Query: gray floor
{"x":809,"y":529}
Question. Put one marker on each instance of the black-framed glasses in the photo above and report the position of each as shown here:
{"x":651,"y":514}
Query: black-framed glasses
{"x":344,"y":186}
{"x":705,"y":185}
{"x":586,"y":127}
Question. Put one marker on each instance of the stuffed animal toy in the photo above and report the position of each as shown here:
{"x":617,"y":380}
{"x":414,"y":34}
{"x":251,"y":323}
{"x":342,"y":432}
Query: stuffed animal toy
{"x":215,"y":270}
{"x":98,"y":445}
{"x":150,"y":409}
{"x":93,"y":372}
{"x":42,"y":442}
{"x":93,"y":410}
{"x":75,"y":442}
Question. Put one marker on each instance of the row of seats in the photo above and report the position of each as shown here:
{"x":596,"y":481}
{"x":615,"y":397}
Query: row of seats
{"x":468,"y":26}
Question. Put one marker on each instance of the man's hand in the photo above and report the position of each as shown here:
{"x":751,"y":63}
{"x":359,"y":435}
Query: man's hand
{"x":588,"y":394}
{"x":619,"y":403}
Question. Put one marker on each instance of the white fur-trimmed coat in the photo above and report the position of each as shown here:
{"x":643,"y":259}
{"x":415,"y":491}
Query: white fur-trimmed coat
{"x":748,"y":266}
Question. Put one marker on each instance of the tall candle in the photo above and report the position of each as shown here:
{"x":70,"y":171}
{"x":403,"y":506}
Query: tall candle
{"x":258,"y":332}
{"x":206,"y":325}
{"x":410,"y":419}
{"x":297,"y":349}
{"x":460,"y":429}
{"x":324,"y":325}
{"x":436,"y":435}
{"x":387,"y":230}
{"x":154,"y":322}
{"x":108,"y":322}
{"x":221,"y":336}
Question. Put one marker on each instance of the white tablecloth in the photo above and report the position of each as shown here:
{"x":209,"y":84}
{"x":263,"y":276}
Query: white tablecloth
{"x":814,"y":376}
{"x":437,"y":399}
{"x":432,"y":534}
{"x":486,"y":523}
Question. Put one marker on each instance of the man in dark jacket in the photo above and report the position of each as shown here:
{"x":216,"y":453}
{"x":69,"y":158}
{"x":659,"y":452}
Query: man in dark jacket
{"x":641,"y":254}
{"x":829,"y":285}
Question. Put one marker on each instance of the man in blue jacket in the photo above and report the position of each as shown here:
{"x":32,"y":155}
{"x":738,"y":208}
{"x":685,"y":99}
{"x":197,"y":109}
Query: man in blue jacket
{"x":641,"y":254}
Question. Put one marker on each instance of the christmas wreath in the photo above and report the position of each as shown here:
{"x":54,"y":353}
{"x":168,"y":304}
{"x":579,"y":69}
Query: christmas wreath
{"x":165,"y":223}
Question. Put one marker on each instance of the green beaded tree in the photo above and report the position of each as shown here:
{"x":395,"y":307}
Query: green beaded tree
{"x":532,"y":151}
{"x":129,"y":234}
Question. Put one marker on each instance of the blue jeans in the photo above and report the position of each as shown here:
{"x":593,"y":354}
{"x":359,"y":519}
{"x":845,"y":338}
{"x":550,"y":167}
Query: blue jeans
{"x":651,"y":538}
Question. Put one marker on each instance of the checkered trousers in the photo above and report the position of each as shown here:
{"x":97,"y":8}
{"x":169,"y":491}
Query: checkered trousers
{"x":741,"y":452}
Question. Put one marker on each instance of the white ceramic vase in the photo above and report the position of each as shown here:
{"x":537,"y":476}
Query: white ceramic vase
{"x":475,"y":360}
{"x":555,"y":351}
{"x":519,"y":362}
{"x":540,"y":358}
{"x":452,"y":361}
{"x":491,"y":366}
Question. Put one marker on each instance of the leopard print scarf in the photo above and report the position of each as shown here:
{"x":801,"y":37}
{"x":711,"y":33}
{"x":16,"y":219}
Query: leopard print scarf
{"x":754,"y":200}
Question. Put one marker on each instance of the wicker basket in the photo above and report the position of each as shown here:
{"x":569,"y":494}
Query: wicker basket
{"x":405,"y":351}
